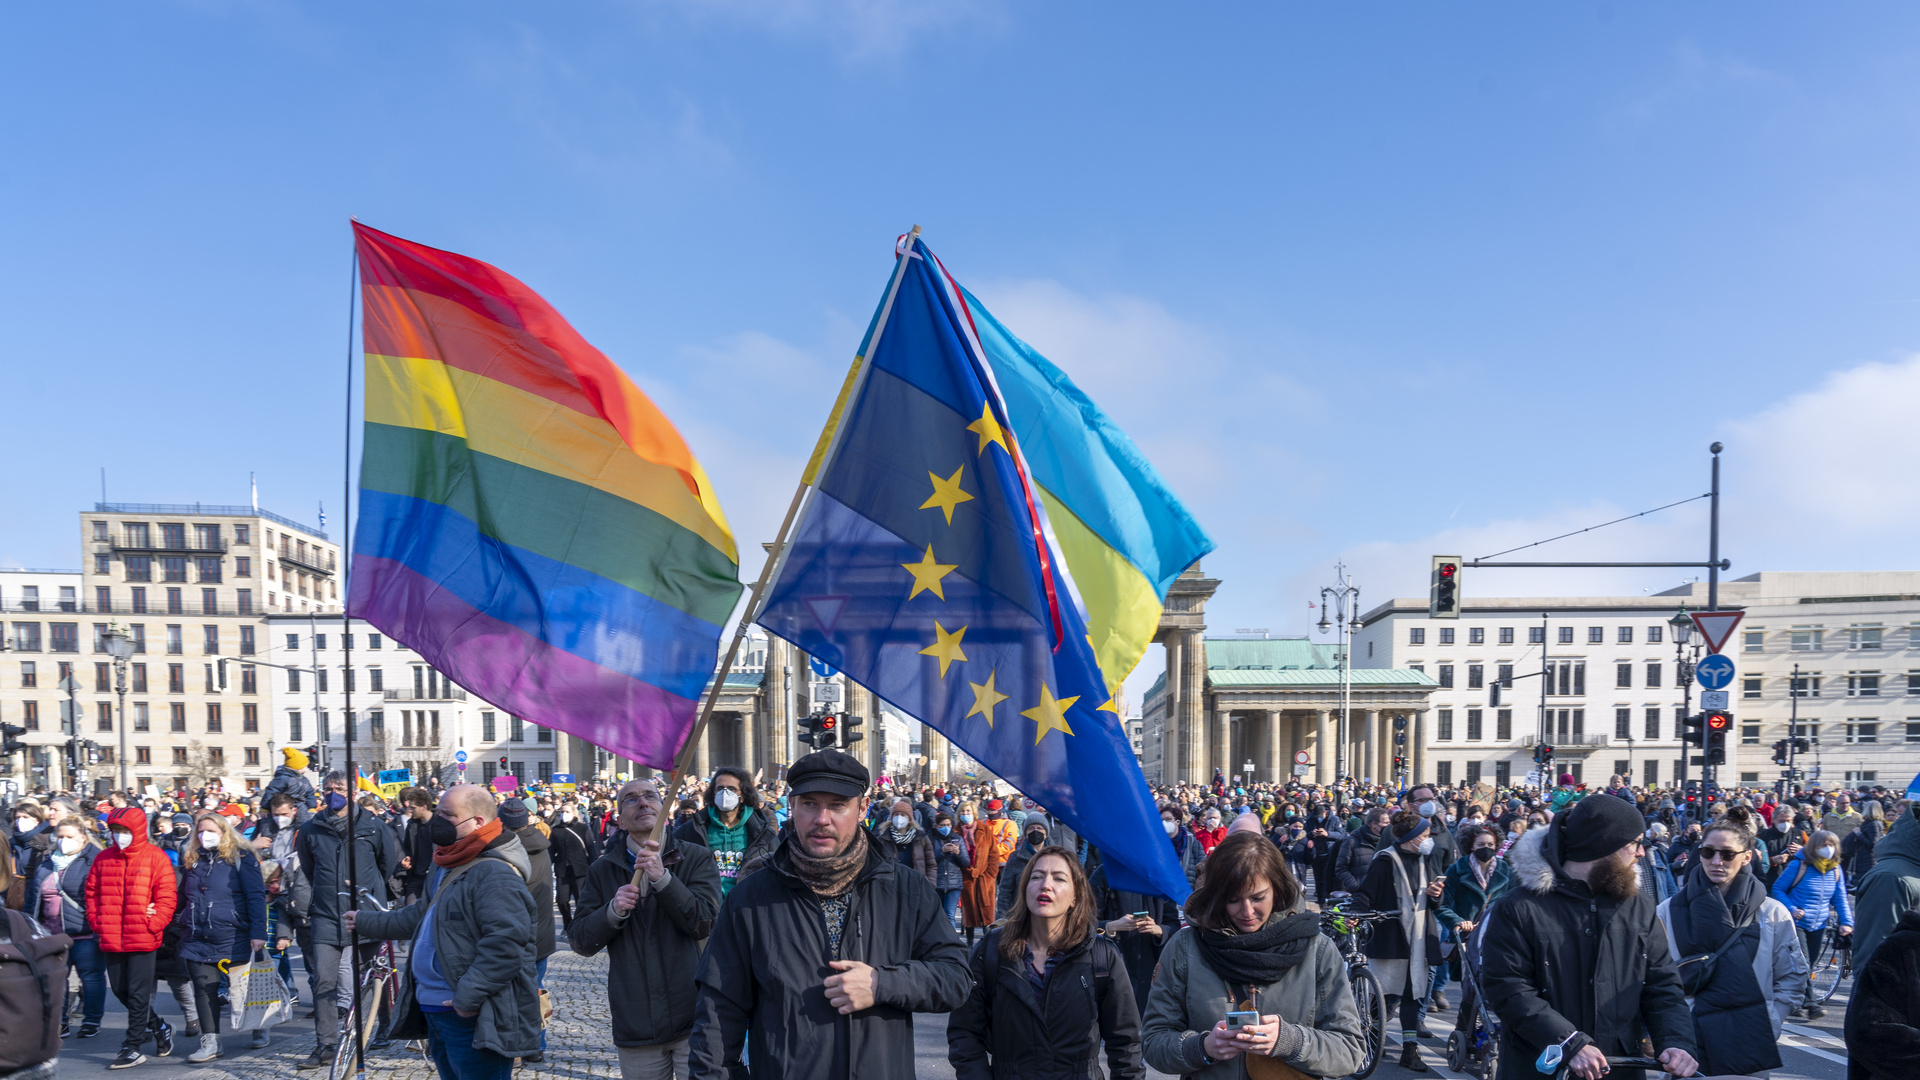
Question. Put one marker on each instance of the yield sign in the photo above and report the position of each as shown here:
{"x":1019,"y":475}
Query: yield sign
{"x":826,"y":610}
{"x":1716,"y":626}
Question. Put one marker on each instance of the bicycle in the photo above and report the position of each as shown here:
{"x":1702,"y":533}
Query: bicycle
{"x":371,"y":1010}
{"x":1564,"y":1071}
{"x":1350,"y":930}
{"x":1834,"y":966}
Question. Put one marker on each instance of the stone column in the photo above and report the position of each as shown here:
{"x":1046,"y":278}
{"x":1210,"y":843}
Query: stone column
{"x":1369,"y":758}
{"x":700,"y":755}
{"x":779,"y":707}
{"x":1173,"y":741}
{"x":1223,"y":746}
{"x":1417,"y":741}
{"x":1321,"y":767}
{"x":1193,"y":658}
{"x":1278,"y":763}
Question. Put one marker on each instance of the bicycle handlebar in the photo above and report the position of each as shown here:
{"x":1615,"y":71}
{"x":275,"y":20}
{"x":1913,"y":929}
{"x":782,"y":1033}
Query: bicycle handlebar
{"x":1565,"y":1071}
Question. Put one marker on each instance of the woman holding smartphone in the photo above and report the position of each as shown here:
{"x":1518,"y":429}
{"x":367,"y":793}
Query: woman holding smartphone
{"x":1250,"y":977}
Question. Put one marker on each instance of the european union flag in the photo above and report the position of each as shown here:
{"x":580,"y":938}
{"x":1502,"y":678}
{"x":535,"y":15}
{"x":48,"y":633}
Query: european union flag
{"x":922,"y":567}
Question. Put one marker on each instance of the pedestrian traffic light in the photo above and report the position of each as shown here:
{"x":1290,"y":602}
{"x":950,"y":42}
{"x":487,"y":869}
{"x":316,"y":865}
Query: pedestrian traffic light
{"x":12,"y":744}
{"x":1445,"y":600}
{"x":1694,"y":731}
{"x":1718,"y":723}
{"x":850,"y":736}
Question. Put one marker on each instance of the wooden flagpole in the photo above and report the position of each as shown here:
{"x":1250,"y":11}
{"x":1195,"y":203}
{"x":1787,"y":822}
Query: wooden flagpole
{"x":776,"y":557}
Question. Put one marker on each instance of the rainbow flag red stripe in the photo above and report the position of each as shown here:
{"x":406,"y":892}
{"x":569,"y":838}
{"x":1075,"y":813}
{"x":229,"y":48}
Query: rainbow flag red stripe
{"x":530,"y":522}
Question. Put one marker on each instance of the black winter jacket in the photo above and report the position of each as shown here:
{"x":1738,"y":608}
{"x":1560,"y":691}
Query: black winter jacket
{"x":574,"y":848}
{"x":1556,"y":959}
{"x":417,"y":846}
{"x":761,"y":979}
{"x":1883,"y":1018}
{"x":1352,"y":858}
{"x":1009,"y":1031}
{"x":650,"y":951}
{"x":322,"y":848}
{"x":291,"y":782}
{"x":540,"y":884}
{"x":1141,"y":952}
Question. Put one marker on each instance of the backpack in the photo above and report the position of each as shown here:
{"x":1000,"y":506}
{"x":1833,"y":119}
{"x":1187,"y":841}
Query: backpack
{"x":33,"y":989}
{"x":1102,"y":969}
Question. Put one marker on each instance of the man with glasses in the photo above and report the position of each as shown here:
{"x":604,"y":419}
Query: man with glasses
{"x":1569,"y":959}
{"x":652,"y":938}
{"x":322,"y":846}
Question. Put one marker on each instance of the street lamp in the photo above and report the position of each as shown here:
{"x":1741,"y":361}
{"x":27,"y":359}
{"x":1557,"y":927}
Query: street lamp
{"x":1682,"y":626}
{"x":1344,"y":598}
{"x":120,"y":647}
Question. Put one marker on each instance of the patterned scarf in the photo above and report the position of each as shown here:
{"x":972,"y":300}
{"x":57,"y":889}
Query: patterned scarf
{"x":833,"y":875}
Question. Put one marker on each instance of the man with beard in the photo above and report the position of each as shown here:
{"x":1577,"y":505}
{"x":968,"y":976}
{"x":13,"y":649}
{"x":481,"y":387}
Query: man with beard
{"x":1570,"y":958}
{"x":818,"y":963}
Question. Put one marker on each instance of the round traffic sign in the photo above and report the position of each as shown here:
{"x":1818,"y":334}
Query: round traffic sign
{"x":1300,"y":757}
{"x":821,"y":667}
{"x":460,"y":756}
{"x":1714,"y":672}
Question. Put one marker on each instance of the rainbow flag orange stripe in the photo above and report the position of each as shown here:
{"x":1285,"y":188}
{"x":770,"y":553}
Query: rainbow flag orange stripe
{"x":530,"y":522}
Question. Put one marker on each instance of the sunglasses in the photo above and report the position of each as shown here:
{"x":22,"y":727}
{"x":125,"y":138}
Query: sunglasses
{"x":1721,"y":854}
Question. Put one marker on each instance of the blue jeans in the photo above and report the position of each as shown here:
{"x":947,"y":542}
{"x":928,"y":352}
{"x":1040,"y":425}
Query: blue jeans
{"x":92,"y":966}
{"x":951,"y":899}
{"x":450,"y":1040}
{"x":540,"y":980}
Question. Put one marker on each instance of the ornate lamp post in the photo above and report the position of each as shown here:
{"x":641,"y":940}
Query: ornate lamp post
{"x":1344,"y":597}
{"x":120,"y":647}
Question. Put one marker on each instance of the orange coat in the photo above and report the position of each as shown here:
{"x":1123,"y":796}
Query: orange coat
{"x":993,"y":841}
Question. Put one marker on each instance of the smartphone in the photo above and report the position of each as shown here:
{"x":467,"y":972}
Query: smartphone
{"x":1238,"y":1020}
{"x":1138,"y":915}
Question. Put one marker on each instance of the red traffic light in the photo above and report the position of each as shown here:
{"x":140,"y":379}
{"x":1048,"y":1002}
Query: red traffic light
{"x":1447,"y":570}
{"x":827,"y":722}
{"x":1718,"y":721}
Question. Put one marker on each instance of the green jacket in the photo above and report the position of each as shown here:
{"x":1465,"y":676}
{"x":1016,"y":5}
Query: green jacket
{"x":1463,"y":898}
{"x":1188,"y":999}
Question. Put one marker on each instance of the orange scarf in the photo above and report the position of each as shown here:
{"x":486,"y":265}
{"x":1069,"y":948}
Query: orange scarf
{"x":468,"y":847}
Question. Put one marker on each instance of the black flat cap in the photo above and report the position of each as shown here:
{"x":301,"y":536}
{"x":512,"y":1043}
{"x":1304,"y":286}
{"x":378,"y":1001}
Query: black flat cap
{"x":833,"y":771}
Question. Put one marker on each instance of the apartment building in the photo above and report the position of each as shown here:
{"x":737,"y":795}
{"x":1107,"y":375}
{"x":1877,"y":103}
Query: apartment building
{"x":41,"y":641}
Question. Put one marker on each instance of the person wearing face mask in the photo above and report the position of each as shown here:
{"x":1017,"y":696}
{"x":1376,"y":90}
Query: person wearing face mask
{"x":221,"y":916}
{"x":57,"y":895}
{"x":1250,"y":934}
{"x":732,"y":826}
{"x":177,"y":838}
{"x":1814,"y":889}
{"x":325,"y":855}
{"x":1404,"y":953}
{"x":1032,"y":839}
{"x":574,"y":848}
{"x":1737,"y":952}
{"x":31,"y":834}
{"x":416,"y":845}
{"x":129,"y":898}
{"x":1472,"y":885}
{"x":1657,"y":879}
{"x":951,"y":859}
{"x":901,"y":833}
{"x":992,"y":842}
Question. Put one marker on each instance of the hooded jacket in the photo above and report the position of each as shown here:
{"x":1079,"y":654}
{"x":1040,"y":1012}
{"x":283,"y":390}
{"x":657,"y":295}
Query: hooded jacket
{"x":124,"y":882}
{"x":1883,"y":1017}
{"x":651,"y":949}
{"x":1557,"y":958}
{"x":1889,"y":890}
{"x":760,"y":982}
{"x":540,"y":885}
{"x":1353,"y":857}
{"x":484,"y":941}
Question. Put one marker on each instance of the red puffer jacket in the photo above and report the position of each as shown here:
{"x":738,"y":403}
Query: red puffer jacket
{"x":124,"y":883}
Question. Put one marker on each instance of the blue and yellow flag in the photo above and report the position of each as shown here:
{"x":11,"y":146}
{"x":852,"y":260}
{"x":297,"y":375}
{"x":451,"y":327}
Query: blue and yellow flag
{"x":923,"y":568}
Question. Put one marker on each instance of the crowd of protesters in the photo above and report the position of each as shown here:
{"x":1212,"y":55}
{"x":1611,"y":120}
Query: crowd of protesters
{"x":793,"y":928}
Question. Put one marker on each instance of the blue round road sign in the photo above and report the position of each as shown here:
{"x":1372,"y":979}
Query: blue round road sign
{"x":460,"y":756}
{"x":821,"y":667}
{"x":1714,"y":672}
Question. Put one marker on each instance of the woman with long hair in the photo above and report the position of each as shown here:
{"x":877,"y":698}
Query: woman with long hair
{"x":57,"y":896}
{"x":1736,"y":950}
{"x":1813,"y":887}
{"x":1049,"y":990}
{"x":1402,"y":953}
{"x":222,"y":916}
{"x":1250,"y":946}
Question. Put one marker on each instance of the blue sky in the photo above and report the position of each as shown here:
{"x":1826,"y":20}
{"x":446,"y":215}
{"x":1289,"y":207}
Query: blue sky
{"x":1367,"y":281}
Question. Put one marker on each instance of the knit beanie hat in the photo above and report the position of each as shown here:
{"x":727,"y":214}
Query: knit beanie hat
{"x":1596,"y":828}
{"x":296,"y":758}
{"x":513,"y":814}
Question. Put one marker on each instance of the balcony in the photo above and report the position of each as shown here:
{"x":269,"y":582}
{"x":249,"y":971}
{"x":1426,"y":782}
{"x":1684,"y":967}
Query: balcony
{"x":449,"y":694}
{"x":189,"y":606}
{"x":190,"y":546}
{"x":1576,"y":744}
{"x":309,"y":562}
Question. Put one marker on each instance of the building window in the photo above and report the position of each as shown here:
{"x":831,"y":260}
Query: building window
{"x":1913,"y":683}
{"x":1446,"y":676}
{"x":1804,"y":686}
{"x":1623,"y":676}
{"x":1596,"y":635}
{"x":208,"y":567}
{"x":293,"y":641}
{"x":1863,"y":731}
{"x":375,"y":682}
{"x":1804,"y":731}
{"x":541,"y":734}
{"x":30,"y":715}
{"x":1863,"y":637}
{"x":250,"y":718}
{"x":141,"y":720}
{"x":516,"y":729}
{"x":206,"y":537}
{"x":487,"y":730}
{"x":216,"y":757}
{"x":1868,"y":777}
{"x":1654,"y":669}
{"x":1416,"y":635}
{"x":1622,"y":725}
{"x":1622,"y":768}
{"x":242,"y":535}
{"x":1476,"y":676}
{"x":1750,"y":689}
{"x":213,"y":718}
{"x":1807,"y":640}
{"x":137,"y":603}
{"x":293,"y":725}
{"x":177,"y":717}
{"x":1502,"y":774}
{"x":1655,"y":635}
{"x":376,"y":723}
{"x":1473,"y":772}
{"x":180,"y":755}
{"x":1506,"y":635}
{"x":1443,"y":724}
{"x":320,"y":679}
{"x":1446,"y":635}
{"x":63,"y":637}
{"x":1477,"y":635}
{"x":176,"y":678}
{"x":143,"y":755}
{"x":1754,"y":641}
{"x":1536,"y":635}
{"x":1625,"y":635}
{"x":293,"y":680}
{"x":175,"y":606}
{"x":249,"y":680}
{"x":209,"y":601}
{"x":1653,"y":722}
{"x":1749,"y":734}
{"x":242,"y":566}
{"x":546,"y":772}
{"x":1650,"y":773}
{"x":1474,"y":724}
{"x":320,"y":723}
{"x":1571,"y":678}
{"x":1503,"y":724}
{"x":30,"y":674}
{"x":253,"y":756}
{"x":1566,"y":635}
{"x":99,"y":532}
{"x":104,"y":717}
{"x":102,"y":678}
{"x":243,"y":601}
{"x":373,"y":641}
{"x":320,"y":642}
{"x":1863,"y":684}
{"x":1913,"y":730}
{"x":210,"y":634}
{"x":1504,"y":673}
{"x":138,"y":567}
{"x":26,"y":636}
{"x":1443,"y":772}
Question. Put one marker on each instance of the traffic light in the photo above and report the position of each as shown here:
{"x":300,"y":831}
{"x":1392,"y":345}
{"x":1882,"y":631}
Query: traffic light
{"x":1399,"y":731}
{"x":1542,"y":754}
{"x":1780,"y":752}
{"x":1718,"y":723}
{"x":850,"y":736}
{"x":1493,"y":695}
{"x":220,"y":671}
{"x":12,"y":744}
{"x":503,"y":765}
{"x":818,"y":731}
{"x":1694,"y":731}
{"x":1445,"y":600}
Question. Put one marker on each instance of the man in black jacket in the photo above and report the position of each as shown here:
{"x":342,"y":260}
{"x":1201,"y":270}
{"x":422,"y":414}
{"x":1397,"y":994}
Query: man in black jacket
{"x":1355,"y":853}
{"x":1575,"y":956}
{"x":329,"y":861}
{"x":574,"y":849}
{"x":653,"y":940}
{"x":829,"y":893}
{"x":416,"y":847}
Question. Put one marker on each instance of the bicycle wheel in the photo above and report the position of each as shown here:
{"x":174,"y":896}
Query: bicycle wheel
{"x":1371,"y":1002}
{"x":342,"y":1065}
{"x":1838,"y":953}
{"x":1826,"y":970}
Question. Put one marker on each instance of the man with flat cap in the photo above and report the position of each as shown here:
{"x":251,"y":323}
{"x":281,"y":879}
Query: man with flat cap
{"x":818,"y":963}
{"x":1575,"y":957}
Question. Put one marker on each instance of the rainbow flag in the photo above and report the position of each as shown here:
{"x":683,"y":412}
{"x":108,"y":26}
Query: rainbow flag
{"x":529,"y":522}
